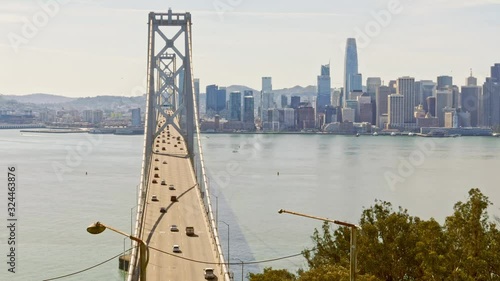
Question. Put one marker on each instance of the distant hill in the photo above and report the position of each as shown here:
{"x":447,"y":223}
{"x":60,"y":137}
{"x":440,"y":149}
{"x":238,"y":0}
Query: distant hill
{"x":38,"y":98}
{"x":297,"y":90}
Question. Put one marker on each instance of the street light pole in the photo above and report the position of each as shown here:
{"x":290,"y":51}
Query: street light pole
{"x":98,"y":227}
{"x":242,"y":263}
{"x":227,"y":242}
{"x":353,"y":228}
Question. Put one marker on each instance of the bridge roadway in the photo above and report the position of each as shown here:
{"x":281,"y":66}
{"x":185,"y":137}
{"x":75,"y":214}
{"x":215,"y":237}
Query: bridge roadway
{"x":174,"y":167}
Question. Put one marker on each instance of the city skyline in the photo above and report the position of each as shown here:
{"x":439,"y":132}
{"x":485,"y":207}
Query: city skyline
{"x":103,"y":48}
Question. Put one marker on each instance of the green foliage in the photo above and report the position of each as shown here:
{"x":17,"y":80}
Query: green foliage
{"x":396,"y":246}
{"x":393,"y":245}
{"x":271,"y":274}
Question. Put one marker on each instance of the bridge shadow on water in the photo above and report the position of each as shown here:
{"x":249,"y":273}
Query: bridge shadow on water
{"x":239,"y":247}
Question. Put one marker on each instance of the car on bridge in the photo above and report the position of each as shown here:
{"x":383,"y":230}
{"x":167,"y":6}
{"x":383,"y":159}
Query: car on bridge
{"x":209,"y":273}
{"x":176,"y":249}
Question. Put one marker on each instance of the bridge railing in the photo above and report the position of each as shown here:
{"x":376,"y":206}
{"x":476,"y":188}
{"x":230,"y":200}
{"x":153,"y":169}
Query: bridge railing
{"x":133,"y":271}
{"x":203,"y":185}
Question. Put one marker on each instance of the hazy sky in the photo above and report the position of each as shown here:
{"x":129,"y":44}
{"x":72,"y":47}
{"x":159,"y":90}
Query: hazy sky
{"x":93,"y":47}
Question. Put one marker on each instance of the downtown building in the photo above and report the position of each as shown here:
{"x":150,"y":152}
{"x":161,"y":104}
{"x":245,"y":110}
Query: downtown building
{"x":396,"y":115}
{"x":324,"y":89}
{"x":266,"y":98}
{"x":216,"y":99}
{"x":248,"y":109}
{"x":490,"y":100}
{"x":406,"y":88}
{"x":381,"y":102}
{"x":235,"y":106}
{"x":352,"y":78}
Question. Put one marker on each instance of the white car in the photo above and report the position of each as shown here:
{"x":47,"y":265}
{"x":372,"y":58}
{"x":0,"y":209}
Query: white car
{"x":176,"y":249}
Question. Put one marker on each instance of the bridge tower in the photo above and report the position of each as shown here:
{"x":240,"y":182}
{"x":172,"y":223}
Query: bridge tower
{"x":170,"y":80}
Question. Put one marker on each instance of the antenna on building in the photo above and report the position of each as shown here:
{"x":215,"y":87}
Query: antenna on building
{"x":471,"y":72}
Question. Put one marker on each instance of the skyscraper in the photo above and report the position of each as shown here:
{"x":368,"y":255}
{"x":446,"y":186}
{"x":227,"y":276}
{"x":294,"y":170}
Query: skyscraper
{"x":444,"y":81}
{"x":491,"y":100}
{"x":382,"y":100}
{"x":444,"y":99}
{"x":396,"y":111}
{"x":324,"y":88}
{"x":248,"y":109}
{"x":211,"y":98}
{"x":471,"y":80}
{"x":221,"y":99}
{"x":469,"y":102}
{"x":372,"y":83}
{"x":284,"y":101}
{"x":235,"y":106}
{"x":495,"y":72}
{"x":294,"y":102}
{"x":423,"y":90}
{"x":350,"y":66}
{"x":406,"y":88}
{"x":267,"y":84}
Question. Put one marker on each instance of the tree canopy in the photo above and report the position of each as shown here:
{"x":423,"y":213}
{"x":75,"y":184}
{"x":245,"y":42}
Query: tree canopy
{"x":394,"y":245}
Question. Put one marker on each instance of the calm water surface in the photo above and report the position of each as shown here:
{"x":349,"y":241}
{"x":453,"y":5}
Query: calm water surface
{"x":329,"y":176}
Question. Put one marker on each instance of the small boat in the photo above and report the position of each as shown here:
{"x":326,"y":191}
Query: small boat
{"x":393,"y":133}
{"x":357,"y":134}
{"x":496,"y":135}
{"x":411,"y":134}
{"x":375,"y":134}
{"x":235,"y":151}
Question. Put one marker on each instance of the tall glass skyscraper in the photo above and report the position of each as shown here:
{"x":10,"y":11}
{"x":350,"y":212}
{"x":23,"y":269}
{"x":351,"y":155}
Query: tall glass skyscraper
{"x":324,"y":89}
{"x":351,"y":68}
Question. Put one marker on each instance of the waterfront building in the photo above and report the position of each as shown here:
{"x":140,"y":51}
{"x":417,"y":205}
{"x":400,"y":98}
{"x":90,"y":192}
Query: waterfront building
{"x":348,"y":114}
{"x":406,"y":88}
{"x":324,"y":88}
{"x":381,"y":100}
{"x":396,"y":108}
{"x":443,"y":99}
{"x":235,"y":106}
{"x":306,"y":118}
{"x":248,"y":109}
{"x":469,"y":102}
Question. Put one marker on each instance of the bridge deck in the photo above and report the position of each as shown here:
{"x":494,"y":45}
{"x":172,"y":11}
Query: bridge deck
{"x":174,"y":167}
